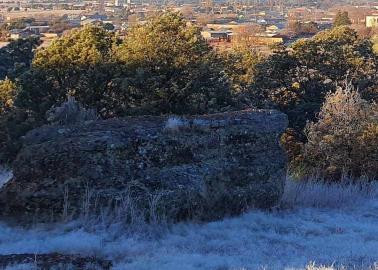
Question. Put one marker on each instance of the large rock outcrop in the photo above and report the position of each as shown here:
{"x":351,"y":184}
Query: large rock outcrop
{"x":203,"y":167}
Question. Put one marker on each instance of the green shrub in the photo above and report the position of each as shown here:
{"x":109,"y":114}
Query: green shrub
{"x":14,"y":124}
{"x":7,"y":94}
{"x":69,"y":113}
{"x":169,"y":68}
{"x":345,"y":137}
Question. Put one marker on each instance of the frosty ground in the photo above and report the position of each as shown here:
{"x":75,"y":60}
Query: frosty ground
{"x":318,"y":225}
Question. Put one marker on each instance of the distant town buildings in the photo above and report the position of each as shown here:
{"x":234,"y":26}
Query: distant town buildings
{"x":224,"y":23}
{"x":226,"y":36}
{"x":372,"y":21}
{"x":118,"y":3}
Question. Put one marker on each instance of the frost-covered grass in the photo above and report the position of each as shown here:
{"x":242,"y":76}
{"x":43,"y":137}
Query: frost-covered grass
{"x":319,"y":227}
{"x":175,"y":123}
{"x":24,"y":266}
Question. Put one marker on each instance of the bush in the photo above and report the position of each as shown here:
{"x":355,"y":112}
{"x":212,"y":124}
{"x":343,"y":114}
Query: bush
{"x":296,"y":81}
{"x":292,"y":143}
{"x":14,"y":124}
{"x":15,"y":58}
{"x":345,"y":138}
{"x":168,"y":68}
{"x":7,"y":93}
{"x":70,"y":112}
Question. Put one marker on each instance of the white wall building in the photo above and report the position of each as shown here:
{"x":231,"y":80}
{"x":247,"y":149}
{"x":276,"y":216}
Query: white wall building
{"x":372,"y":21}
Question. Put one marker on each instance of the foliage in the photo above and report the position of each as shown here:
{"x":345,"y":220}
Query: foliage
{"x":18,"y":23}
{"x":59,"y":25}
{"x":15,"y":58}
{"x":300,"y":28}
{"x":87,"y":46}
{"x":161,"y":67}
{"x":7,"y":94}
{"x":344,"y":139}
{"x":240,"y":66}
{"x":14,"y":124}
{"x":78,"y":64}
{"x":69,"y":113}
{"x":169,"y":68}
{"x":374,"y":40}
{"x":293,"y":146}
{"x":296,"y":82}
{"x":337,"y":53}
{"x":342,"y":19}
{"x":108,"y":26}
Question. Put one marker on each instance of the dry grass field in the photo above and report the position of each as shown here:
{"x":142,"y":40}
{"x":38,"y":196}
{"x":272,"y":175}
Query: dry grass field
{"x":40,"y":14}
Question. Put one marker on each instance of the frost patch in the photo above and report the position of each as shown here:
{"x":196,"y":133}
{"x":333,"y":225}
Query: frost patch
{"x":307,"y":236}
{"x":5,"y":176}
{"x":176,"y":123}
{"x":24,"y":266}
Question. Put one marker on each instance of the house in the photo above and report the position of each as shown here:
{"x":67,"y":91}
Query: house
{"x":93,"y":19}
{"x":272,"y":29}
{"x":221,"y":35}
{"x":50,"y":35}
{"x":118,"y":3}
{"x":38,"y":29}
{"x":20,"y":34}
{"x":220,"y":26}
{"x":371,"y":21}
{"x":259,"y":39}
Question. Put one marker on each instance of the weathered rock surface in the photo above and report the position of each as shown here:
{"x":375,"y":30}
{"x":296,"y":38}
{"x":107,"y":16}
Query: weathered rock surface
{"x":203,"y":167}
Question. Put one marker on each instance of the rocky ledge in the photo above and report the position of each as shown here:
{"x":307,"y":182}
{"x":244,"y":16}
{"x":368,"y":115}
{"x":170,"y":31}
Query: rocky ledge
{"x":200,"y":167}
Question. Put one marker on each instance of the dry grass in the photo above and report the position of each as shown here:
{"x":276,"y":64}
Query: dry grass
{"x":316,"y":193}
{"x":40,"y":14}
{"x":321,"y":227}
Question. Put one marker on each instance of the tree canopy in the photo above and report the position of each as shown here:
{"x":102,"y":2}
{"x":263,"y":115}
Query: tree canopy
{"x":342,"y":19}
{"x":16,"y":57}
{"x":7,"y":94}
{"x":161,"y":67}
{"x":296,"y":82}
{"x":169,"y":68}
{"x":87,"y":46}
{"x":165,"y":67}
{"x":77,"y":64}
{"x":345,"y":137}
